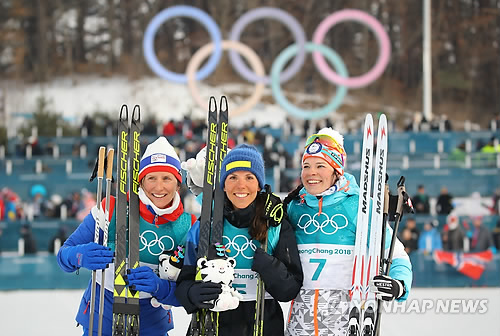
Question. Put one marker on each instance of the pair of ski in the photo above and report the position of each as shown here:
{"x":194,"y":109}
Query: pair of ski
{"x":364,"y":306}
{"x":205,"y":322}
{"x":126,"y":301}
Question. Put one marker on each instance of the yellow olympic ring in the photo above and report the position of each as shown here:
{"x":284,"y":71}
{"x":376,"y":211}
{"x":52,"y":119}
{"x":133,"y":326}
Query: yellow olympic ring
{"x":246,"y":52}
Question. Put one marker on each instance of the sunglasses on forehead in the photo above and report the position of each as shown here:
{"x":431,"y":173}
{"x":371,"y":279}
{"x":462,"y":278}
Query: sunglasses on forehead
{"x":324,"y":140}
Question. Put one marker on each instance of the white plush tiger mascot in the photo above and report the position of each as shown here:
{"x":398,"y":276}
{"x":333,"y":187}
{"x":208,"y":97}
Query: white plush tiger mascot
{"x":220,"y":269}
{"x":169,"y":266}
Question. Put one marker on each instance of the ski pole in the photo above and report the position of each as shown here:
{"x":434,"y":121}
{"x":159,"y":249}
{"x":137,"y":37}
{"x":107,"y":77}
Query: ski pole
{"x":403,"y":202}
{"x":100,"y":175}
{"x":258,"y":329}
{"x":382,"y":248}
{"x":109,"y":176}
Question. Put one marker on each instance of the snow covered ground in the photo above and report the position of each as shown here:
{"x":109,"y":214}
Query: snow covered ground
{"x":165,"y":100}
{"x":52,"y":313}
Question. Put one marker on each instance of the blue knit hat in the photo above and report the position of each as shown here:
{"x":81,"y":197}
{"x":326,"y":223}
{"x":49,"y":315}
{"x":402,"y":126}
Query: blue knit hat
{"x":243,"y":157}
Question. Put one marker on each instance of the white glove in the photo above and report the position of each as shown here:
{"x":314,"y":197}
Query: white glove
{"x":195,"y":168}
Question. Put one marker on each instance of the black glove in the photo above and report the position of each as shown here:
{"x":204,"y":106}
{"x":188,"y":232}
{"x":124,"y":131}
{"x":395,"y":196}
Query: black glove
{"x":273,"y":208}
{"x":261,"y":260}
{"x":201,"y":293}
{"x":387,"y":288}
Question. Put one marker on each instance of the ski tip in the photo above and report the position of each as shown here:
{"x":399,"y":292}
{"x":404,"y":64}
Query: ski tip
{"x":223,"y":103}
{"x":124,"y":112}
{"x":136,"y":113}
{"x":212,"y":105}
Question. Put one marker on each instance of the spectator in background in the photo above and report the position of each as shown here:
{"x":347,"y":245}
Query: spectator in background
{"x":496,"y":202}
{"x":414,"y":234}
{"x":169,"y":128}
{"x":430,"y":239}
{"x":38,"y":194}
{"x":409,"y":243}
{"x":495,"y":123}
{"x":74,"y":204}
{"x":150,"y":126}
{"x":12,"y":205}
{"x":29,"y":241}
{"x":458,"y":154}
{"x":444,"y":202}
{"x":446,"y":123}
{"x":88,"y":123}
{"x":453,"y":235}
{"x":489,"y":152}
{"x":62,"y":235}
{"x":53,"y":209}
{"x":421,"y":201}
{"x":481,"y":238}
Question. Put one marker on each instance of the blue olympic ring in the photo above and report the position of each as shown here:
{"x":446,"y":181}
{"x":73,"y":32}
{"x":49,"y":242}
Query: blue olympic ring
{"x":195,"y":14}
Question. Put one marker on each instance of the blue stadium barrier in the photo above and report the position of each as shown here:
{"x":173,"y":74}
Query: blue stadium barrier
{"x":38,"y":272}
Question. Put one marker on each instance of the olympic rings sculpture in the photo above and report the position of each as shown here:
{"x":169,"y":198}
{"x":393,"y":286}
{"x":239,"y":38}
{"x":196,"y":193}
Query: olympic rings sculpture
{"x":249,"y":54}
{"x":299,"y":49}
{"x":281,"y":60}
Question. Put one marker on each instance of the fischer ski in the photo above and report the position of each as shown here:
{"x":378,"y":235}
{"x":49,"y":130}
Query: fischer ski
{"x":205,"y":322}
{"x":126,"y":301}
{"x":364,"y":305}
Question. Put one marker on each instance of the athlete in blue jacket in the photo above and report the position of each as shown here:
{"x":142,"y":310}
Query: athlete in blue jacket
{"x":323,"y":213}
{"x":163,"y":226}
{"x":245,"y":227}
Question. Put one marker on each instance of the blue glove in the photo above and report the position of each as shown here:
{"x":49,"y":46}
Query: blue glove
{"x":145,"y":280}
{"x":91,"y":256}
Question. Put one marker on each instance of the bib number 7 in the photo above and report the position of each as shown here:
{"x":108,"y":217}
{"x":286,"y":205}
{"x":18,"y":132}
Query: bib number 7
{"x":321,"y":264}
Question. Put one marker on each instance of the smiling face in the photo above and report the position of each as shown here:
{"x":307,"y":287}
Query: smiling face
{"x":316,"y":175}
{"x":241,"y":188}
{"x":160,"y":187}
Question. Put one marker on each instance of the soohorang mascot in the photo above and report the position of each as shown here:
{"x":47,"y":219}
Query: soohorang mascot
{"x":219,"y":268}
{"x":169,"y":266}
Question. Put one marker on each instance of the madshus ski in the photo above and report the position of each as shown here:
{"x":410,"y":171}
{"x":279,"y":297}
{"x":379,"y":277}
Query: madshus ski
{"x":126,"y":301}
{"x":367,"y":258}
{"x":205,"y":322}
{"x":372,"y":259}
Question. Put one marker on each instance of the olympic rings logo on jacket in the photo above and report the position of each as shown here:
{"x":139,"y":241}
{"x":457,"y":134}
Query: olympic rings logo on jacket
{"x":299,"y":49}
{"x":155,"y":245}
{"x":240,"y":244}
{"x":311,"y":225}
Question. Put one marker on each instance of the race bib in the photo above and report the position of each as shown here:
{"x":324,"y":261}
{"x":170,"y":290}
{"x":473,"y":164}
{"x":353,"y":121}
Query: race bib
{"x":326,"y":266}
{"x":245,"y":282}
